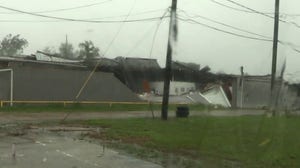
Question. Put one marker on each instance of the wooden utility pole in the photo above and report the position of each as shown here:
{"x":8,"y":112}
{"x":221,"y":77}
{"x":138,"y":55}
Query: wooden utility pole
{"x":275,"y":48}
{"x":168,"y":69}
{"x":67,"y":40}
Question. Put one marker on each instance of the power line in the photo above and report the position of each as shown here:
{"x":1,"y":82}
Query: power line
{"x":266,"y":39}
{"x":139,"y":41}
{"x":134,"y":14}
{"x":192,"y":21}
{"x":264,"y":14}
{"x":77,"y":20}
{"x":105,"y":52}
{"x":147,"y":33}
{"x":249,"y":11}
{"x":154,"y":38}
{"x":155,"y":33}
{"x":80,"y":20}
{"x":98,"y":18}
{"x":63,"y":9}
{"x":289,"y":45}
{"x":230,"y":7}
{"x":223,"y":24}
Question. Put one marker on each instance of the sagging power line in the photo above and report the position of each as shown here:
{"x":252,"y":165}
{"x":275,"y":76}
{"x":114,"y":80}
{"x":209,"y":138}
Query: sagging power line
{"x":157,"y":25}
{"x":105,"y":52}
{"x":249,"y":11}
{"x":192,"y":21}
{"x":263,"y":14}
{"x":223,"y":24}
{"x":264,"y":38}
{"x":133,"y":14}
{"x":63,"y":9}
{"x":79,"y":20}
{"x":96,"y":18}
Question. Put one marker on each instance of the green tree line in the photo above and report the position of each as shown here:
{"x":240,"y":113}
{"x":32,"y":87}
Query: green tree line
{"x":14,"y":45}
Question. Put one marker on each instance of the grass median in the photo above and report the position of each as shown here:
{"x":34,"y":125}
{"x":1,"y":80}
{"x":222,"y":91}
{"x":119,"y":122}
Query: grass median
{"x":102,"y":107}
{"x":215,"y":141}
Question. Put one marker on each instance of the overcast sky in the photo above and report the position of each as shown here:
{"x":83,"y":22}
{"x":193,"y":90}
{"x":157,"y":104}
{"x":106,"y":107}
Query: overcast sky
{"x":202,"y":45}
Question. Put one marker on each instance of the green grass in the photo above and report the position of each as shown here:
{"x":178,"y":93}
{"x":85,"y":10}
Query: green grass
{"x":105,"y":107}
{"x":222,"y":142}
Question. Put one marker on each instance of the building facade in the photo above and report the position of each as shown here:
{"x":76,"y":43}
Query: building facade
{"x":44,"y":81}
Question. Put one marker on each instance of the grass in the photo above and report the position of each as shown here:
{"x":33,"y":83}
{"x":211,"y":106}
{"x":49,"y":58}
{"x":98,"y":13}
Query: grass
{"x":217,"y":142}
{"x":105,"y":107}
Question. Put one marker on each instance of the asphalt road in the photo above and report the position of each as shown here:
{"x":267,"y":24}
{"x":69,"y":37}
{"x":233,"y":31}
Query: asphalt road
{"x":50,"y":150}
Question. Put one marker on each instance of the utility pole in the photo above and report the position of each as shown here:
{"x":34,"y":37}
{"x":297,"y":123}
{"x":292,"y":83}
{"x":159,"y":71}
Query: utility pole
{"x":168,"y":69}
{"x":275,"y":48}
{"x":67,"y":40}
{"x":242,"y":86}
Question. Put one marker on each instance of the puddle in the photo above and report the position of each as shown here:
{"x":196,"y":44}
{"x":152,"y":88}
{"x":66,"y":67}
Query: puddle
{"x":39,"y":149}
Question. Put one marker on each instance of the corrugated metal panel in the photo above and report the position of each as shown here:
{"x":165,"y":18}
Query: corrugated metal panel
{"x":216,"y":95}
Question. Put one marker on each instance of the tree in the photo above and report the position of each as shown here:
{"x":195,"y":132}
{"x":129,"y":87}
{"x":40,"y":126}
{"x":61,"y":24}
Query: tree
{"x":66,"y":50}
{"x":88,"y":50}
{"x":12,"y":45}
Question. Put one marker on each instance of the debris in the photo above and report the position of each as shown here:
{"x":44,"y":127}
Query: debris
{"x":265,"y":142}
{"x":64,"y":129}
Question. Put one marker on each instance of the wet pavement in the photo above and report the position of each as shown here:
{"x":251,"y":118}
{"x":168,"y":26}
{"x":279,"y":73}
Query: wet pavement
{"x":54,"y":150}
{"x":56,"y":147}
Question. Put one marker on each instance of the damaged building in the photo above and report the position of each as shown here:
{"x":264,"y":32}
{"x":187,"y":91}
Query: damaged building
{"x":46,"y":77}
{"x":255,"y":92}
{"x":37,"y":79}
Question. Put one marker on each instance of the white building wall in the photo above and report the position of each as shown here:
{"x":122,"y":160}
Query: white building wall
{"x":176,"y":88}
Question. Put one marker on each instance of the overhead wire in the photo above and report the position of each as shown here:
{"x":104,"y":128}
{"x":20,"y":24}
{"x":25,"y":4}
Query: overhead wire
{"x":250,"y":9}
{"x":230,"y":7}
{"x":105,"y":52}
{"x":264,"y":38}
{"x":63,"y":9}
{"x":263,"y":14}
{"x":155,"y":33}
{"x":221,"y":23}
{"x":292,"y":46}
{"x":155,"y":18}
{"x":95,"y":18}
{"x":192,"y":21}
{"x":147,"y":33}
{"x":134,"y":14}
{"x":79,"y":20}
{"x":140,"y":40}
{"x":247,"y":11}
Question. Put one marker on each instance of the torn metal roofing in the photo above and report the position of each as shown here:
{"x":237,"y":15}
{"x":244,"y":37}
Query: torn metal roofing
{"x":138,"y":63}
{"x":216,"y":95}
